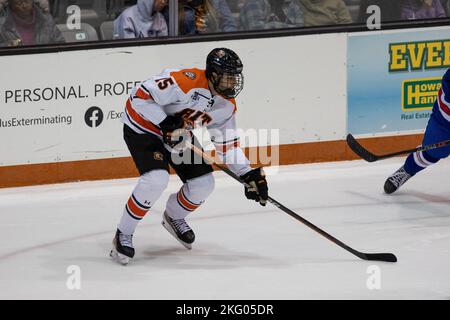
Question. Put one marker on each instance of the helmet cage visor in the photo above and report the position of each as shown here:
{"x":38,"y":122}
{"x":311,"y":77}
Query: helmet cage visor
{"x":228,"y":85}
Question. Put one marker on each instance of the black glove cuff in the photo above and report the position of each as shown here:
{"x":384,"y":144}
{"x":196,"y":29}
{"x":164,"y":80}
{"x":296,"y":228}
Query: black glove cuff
{"x":253,"y":175}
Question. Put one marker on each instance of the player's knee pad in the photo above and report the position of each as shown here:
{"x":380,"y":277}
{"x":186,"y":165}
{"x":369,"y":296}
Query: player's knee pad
{"x":198,"y":189}
{"x":150,"y":186}
{"x":190,"y":196}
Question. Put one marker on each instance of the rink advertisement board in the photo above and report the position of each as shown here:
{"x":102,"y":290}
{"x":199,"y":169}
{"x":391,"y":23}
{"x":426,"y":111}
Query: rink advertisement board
{"x":67,"y":106}
{"x":393,"y":79}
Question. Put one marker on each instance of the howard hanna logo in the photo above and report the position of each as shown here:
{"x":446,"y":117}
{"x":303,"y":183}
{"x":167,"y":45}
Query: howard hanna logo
{"x":93,"y":117}
{"x":420,"y":94}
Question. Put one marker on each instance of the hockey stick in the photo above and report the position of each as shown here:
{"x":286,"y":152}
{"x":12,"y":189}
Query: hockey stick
{"x":370,"y":157}
{"x":387,"y":257}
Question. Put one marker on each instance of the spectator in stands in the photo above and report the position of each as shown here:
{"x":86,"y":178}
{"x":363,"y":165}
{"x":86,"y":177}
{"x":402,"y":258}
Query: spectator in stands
{"x":213,"y":16}
{"x":141,"y":20}
{"x":389,"y":10}
{"x":43,"y":4}
{"x":271,"y":14}
{"x":446,"y":5}
{"x":422,"y":9}
{"x":27,"y":22}
{"x":325,"y":12}
{"x":186,"y":17}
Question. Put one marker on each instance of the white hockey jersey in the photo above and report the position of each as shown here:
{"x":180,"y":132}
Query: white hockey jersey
{"x":185,"y":92}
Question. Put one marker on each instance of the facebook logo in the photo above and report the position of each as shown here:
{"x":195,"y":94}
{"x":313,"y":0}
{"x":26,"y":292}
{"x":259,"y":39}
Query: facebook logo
{"x":93,"y":117}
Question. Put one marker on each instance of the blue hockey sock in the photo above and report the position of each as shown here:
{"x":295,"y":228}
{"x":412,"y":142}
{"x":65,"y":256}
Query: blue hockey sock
{"x":418,"y":161}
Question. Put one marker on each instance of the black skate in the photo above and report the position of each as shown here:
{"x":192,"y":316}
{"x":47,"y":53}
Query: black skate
{"x":180,"y":230}
{"x":396,"y":180}
{"x":123,"y":250}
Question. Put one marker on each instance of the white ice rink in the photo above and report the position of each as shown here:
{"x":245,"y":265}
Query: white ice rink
{"x":242,"y":251}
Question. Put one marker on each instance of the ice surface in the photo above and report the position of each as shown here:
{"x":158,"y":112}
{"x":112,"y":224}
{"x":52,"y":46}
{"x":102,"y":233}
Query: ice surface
{"x":242,"y":250}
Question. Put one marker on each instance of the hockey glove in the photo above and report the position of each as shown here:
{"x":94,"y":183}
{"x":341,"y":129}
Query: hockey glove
{"x":173,"y":131}
{"x":257,"y":189}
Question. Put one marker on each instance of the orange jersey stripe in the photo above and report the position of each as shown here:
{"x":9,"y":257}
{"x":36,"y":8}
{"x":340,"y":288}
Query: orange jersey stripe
{"x":188,"y":79}
{"x":140,"y":120}
{"x":141,"y":94}
{"x":233,"y":101}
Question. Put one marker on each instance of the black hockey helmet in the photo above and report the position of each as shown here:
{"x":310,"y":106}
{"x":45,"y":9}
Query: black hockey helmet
{"x":224,"y":70}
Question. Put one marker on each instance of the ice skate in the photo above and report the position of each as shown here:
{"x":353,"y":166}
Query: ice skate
{"x":396,"y":180}
{"x":180,"y":230}
{"x":123,"y":250}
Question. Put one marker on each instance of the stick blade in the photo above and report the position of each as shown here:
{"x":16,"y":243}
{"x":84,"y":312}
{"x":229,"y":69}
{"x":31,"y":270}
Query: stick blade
{"x":360,"y":150}
{"x":386,"y":257}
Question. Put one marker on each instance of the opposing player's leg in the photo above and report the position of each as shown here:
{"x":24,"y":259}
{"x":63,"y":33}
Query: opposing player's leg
{"x":419,"y":161}
{"x":151,"y":159}
{"x":198,"y":185}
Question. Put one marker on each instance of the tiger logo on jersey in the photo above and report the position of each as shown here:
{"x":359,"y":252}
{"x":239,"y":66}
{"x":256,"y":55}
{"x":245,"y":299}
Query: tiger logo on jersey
{"x":158,"y":156}
{"x":190,"y":75}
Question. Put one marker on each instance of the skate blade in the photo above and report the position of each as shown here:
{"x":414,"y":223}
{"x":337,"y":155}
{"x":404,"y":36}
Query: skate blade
{"x":118,"y":257}
{"x":168,"y":228}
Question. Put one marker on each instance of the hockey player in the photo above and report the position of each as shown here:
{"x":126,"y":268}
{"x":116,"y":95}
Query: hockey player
{"x":159,"y":114}
{"x":438,"y":129}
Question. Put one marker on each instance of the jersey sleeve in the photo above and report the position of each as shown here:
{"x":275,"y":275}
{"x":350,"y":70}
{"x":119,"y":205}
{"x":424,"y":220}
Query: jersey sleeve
{"x":150,"y":97}
{"x":223,"y":111}
{"x":446,"y":86}
{"x":163,"y":88}
{"x":443,"y":99}
{"x":148,"y":108}
{"x":225,"y":138}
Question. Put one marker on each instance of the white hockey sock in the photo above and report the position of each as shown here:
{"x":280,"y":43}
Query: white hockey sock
{"x":149,"y":188}
{"x":191,"y":195}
